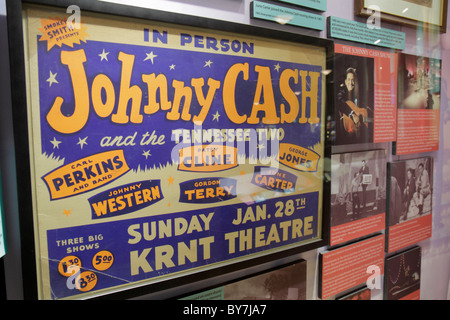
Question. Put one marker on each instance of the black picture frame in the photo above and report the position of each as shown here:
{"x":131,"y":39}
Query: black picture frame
{"x":403,"y":275}
{"x":301,"y":264}
{"x":361,"y":10}
{"x":21,"y":137}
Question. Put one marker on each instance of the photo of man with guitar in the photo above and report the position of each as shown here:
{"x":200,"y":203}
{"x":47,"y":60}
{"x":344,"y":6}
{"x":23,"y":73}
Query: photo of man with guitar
{"x":354,"y":101}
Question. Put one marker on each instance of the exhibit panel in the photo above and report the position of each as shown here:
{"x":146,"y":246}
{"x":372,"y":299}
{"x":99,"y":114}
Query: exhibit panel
{"x":241,"y":150}
{"x":365,"y":87}
{"x":402,"y":279}
{"x":358,"y":195}
{"x":419,"y":93}
{"x":410,"y":202}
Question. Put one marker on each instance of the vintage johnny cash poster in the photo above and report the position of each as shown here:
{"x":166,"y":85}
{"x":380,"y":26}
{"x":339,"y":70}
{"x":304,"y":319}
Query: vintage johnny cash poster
{"x":161,"y":150}
{"x":365,"y":95}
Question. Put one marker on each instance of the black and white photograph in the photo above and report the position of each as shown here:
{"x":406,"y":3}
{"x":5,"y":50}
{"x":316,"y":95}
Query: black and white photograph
{"x":411,"y":189}
{"x":358,"y":187}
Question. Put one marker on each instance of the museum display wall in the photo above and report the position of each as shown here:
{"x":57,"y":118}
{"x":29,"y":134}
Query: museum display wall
{"x":225,"y":150}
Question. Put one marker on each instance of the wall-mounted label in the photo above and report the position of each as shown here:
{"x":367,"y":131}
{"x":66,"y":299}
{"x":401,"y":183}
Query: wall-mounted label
{"x":320,"y":5}
{"x":125,"y":199}
{"x":286,"y":15}
{"x":359,"y":32}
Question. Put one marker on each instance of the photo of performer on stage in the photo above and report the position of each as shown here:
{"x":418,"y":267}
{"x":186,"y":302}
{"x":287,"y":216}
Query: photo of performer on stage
{"x":354,"y":101}
{"x":358,"y":187}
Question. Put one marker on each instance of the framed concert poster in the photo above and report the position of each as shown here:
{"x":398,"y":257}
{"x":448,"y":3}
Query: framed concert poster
{"x":365,"y":95}
{"x":160,"y":151}
{"x":411,"y":13}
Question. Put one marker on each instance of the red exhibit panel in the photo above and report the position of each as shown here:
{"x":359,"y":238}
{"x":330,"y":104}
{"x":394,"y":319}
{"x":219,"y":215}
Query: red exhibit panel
{"x":366,"y":91}
{"x":419,"y":98}
{"x":350,"y":266}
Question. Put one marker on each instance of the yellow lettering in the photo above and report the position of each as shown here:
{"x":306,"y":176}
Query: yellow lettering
{"x":204,"y":102}
{"x":264,"y":88}
{"x":75,"y":122}
{"x":311,"y":94}
{"x":103,"y":110}
{"x":289,"y":95}
{"x":180,"y":92}
{"x":229,"y":90}
{"x":153,"y":85}
{"x":128,"y":93}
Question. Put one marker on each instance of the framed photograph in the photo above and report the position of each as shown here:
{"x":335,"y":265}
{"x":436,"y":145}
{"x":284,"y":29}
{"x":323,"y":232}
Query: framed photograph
{"x":282,"y":283}
{"x":411,"y":13}
{"x":419,"y":101}
{"x":410,"y":202}
{"x":365,"y":95}
{"x":358,"y":195}
{"x":158,"y":149}
{"x":403,"y":274}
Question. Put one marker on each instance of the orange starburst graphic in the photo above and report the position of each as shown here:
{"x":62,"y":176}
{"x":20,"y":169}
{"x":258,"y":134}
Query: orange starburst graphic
{"x":67,"y":212}
{"x":57,"y":31}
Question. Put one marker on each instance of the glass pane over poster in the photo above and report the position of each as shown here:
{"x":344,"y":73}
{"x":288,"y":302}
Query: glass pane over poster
{"x":162,"y":150}
{"x":3,"y":247}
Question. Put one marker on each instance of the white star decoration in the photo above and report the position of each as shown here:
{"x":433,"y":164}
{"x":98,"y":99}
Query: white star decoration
{"x":208,"y":64}
{"x":147,"y":154}
{"x":55,"y":143}
{"x":82,"y":142}
{"x":104,"y":55}
{"x":216,"y":116}
{"x":52,"y":79}
{"x":150,"y":56}
{"x":172,"y":67}
{"x":277,"y":67}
